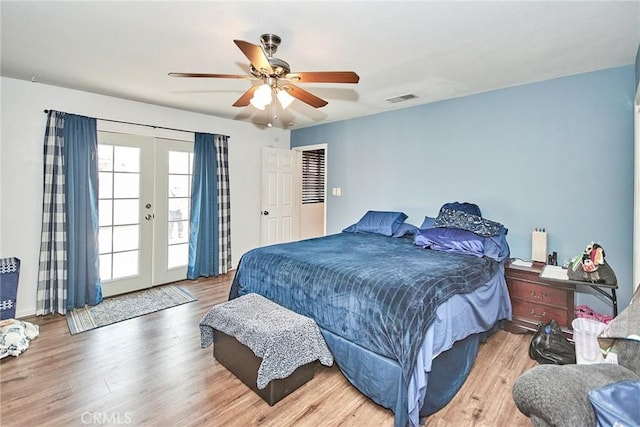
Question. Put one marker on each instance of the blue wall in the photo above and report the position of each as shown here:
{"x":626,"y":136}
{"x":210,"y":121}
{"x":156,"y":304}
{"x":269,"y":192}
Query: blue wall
{"x":556,"y":154}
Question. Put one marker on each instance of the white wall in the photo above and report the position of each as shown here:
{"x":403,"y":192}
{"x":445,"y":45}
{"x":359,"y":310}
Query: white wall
{"x":21,"y":145}
{"x":636,"y":193}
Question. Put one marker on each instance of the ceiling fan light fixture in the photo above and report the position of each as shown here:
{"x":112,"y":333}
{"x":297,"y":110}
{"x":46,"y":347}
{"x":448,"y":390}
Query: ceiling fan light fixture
{"x":261,"y":97}
{"x":284,"y":98}
{"x":257,"y":104}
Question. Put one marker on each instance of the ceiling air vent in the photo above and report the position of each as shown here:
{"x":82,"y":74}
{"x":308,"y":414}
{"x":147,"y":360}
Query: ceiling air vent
{"x":401,"y":98}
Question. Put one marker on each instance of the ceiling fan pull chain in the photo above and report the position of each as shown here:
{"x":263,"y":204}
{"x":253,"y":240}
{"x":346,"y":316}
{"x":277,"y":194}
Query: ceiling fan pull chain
{"x":271,"y":115}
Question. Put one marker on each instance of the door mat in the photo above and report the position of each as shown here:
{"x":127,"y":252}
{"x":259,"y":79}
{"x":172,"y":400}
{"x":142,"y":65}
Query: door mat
{"x":123,"y":307}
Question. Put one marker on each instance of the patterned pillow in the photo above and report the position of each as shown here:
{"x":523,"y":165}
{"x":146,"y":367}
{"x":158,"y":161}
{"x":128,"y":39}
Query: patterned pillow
{"x":457,"y":219}
{"x":470,"y":208}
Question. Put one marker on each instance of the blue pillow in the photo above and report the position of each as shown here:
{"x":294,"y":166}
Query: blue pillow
{"x":405,"y":229}
{"x":470,"y":208}
{"x":427,"y":223}
{"x":450,"y":240}
{"x":458,"y":219}
{"x":350,"y":229}
{"x":616,"y":403}
{"x":496,"y":247}
{"x":380,"y":222}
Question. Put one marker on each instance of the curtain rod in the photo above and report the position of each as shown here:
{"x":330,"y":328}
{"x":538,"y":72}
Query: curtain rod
{"x":141,"y":124}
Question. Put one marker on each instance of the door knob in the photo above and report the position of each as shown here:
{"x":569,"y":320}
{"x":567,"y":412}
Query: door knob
{"x":148,"y":217}
{"x":265,"y":213}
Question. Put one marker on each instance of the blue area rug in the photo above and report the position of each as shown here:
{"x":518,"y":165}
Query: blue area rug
{"x":123,"y":307}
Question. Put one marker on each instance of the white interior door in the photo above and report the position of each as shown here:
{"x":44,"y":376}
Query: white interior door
{"x":144,"y":200}
{"x":280,"y":196}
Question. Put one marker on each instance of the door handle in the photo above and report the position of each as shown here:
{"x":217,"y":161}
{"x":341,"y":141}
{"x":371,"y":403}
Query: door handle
{"x":265,"y":213}
{"x":149,"y":217}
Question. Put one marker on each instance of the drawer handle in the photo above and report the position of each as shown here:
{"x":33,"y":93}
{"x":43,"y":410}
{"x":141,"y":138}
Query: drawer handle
{"x":541,"y":316}
{"x":533,"y":294}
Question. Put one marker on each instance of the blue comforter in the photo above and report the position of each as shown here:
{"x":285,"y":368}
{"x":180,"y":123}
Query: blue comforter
{"x":376,"y":291}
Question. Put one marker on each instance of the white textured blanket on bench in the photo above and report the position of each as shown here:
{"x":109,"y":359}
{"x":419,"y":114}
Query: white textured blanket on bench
{"x":283,"y":339}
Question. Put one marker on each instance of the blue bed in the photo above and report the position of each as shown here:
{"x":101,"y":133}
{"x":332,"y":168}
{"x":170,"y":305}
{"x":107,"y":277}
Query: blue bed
{"x":385,"y":308}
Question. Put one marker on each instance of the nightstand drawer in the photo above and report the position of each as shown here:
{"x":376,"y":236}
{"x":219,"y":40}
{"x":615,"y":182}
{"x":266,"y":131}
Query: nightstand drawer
{"x":540,"y":313}
{"x":535,"y":300}
{"x":537,"y":293}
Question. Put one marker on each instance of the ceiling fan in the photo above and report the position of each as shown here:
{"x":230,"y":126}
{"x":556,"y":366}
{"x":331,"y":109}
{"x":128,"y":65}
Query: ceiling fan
{"x":276,"y":76}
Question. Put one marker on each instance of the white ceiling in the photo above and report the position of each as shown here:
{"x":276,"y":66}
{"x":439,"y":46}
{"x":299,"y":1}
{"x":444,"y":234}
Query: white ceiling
{"x":433,"y":49}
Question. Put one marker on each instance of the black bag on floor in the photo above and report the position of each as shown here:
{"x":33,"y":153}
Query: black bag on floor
{"x":550,"y":346}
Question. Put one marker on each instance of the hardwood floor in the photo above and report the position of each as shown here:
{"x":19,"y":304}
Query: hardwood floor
{"x":151,"y":371}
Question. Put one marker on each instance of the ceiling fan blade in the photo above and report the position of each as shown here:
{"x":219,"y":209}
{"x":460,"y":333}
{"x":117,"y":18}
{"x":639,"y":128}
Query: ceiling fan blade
{"x":304,"y":96}
{"x":245,"y":99}
{"x":256,"y":56}
{"x":324,"y":77}
{"x":211,"y":76}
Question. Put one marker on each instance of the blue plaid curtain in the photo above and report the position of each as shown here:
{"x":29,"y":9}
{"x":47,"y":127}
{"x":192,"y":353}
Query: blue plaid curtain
{"x":210,"y":223}
{"x":69,"y":273}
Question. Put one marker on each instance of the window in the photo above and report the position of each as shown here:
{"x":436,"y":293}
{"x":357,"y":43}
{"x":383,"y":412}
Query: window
{"x":313,"y":176}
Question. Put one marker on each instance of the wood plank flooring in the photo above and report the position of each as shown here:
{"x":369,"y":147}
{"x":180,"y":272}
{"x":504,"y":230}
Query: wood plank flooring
{"x":151,"y":371}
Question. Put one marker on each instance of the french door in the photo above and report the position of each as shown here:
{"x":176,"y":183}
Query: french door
{"x":144,"y":200}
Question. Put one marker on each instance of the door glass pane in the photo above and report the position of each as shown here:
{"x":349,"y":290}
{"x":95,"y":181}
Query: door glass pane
{"x":126,"y":211}
{"x":105,"y":184}
{"x":126,"y":159}
{"x":105,"y":216}
{"x":179,"y":202}
{"x":178,"y":255}
{"x":126,"y":185}
{"x":177,"y":226}
{"x":184,"y":225}
{"x":179,"y":162}
{"x":125,"y":238}
{"x":179,"y":185}
{"x":105,"y":241}
{"x":105,"y":157}
{"x":105,"y":267}
{"x":119,"y":210}
{"x":127,"y":264}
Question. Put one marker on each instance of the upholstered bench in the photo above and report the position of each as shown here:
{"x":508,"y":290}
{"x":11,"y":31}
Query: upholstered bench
{"x":268,"y":347}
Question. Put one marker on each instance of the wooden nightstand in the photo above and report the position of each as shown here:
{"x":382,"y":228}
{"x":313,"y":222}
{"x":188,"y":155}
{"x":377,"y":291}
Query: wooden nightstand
{"x":535,"y":300}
